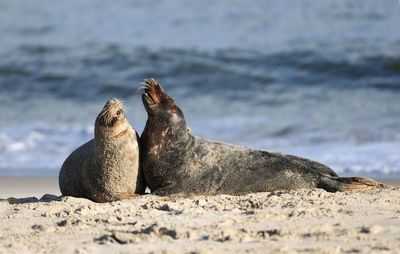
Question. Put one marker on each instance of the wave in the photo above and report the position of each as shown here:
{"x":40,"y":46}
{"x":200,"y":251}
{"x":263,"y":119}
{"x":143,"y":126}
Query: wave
{"x":41,"y":148}
{"x":116,"y":70}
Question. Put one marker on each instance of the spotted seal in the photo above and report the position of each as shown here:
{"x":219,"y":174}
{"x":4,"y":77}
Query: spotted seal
{"x":107,"y":167}
{"x":176,"y":162}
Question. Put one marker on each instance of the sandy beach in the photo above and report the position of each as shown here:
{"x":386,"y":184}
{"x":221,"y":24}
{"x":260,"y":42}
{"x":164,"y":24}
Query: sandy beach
{"x":35,"y":219}
{"x":314,"y":79}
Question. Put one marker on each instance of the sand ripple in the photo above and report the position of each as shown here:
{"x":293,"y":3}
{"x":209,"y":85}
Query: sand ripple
{"x":307,"y":221}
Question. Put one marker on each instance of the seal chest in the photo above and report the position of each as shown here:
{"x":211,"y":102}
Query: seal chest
{"x":176,"y":162}
{"x":107,"y":167}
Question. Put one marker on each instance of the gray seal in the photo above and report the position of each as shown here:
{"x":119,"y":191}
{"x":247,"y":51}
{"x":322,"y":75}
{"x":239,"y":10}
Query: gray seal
{"x":107,"y":167}
{"x":176,"y":162}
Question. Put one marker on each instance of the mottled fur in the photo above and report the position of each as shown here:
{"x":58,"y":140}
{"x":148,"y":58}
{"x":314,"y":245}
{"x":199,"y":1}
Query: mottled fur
{"x":176,"y":162}
{"x":107,"y":167}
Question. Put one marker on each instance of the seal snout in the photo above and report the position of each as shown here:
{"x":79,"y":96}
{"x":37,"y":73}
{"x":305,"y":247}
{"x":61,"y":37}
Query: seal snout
{"x":154,"y":93}
{"x":151,"y":88}
{"x":112,"y":111}
{"x":148,"y":97}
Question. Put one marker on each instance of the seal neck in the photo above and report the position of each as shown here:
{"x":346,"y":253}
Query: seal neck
{"x":172,"y":127}
{"x":110,"y":134}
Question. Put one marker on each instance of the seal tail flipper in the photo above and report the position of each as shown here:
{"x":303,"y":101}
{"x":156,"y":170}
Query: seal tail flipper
{"x":334,"y":184}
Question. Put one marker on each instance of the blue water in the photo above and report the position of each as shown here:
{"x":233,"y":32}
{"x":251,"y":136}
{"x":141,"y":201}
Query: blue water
{"x":319,"y":79}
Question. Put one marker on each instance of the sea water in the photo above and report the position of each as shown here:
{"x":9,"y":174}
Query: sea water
{"x":318,"y":79}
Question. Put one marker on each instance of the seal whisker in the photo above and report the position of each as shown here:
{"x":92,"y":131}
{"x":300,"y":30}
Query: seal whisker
{"x":144,"y":84}
{"x":151,"y":82}
{"x":124,"y":108}
{"x":177,"y":96}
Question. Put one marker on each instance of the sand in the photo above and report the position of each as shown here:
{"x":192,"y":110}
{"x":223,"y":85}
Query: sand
{"x":301,"y":221}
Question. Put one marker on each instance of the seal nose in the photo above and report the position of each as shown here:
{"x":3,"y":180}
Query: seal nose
{"x":149,"y":84}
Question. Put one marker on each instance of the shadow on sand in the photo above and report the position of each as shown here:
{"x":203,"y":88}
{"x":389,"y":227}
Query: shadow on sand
{"x":46,"y":198}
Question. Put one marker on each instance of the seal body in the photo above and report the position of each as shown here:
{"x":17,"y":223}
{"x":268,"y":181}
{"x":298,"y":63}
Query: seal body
{"x":107,"y":167}
{"x":177,"y":162}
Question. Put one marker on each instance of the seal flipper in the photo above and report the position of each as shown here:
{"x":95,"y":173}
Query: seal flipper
{"x":333,"y":184}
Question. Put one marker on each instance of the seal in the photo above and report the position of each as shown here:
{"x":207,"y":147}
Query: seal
{"x":107,"y":167}
{"x":175,"y":162}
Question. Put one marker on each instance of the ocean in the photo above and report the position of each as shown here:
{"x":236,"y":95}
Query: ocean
{"x":318,"y":79}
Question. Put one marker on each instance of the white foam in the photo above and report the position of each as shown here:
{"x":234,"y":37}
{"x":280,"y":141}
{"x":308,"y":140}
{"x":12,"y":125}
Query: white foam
{"x":32,"y":148}
{"x":37,"y":147}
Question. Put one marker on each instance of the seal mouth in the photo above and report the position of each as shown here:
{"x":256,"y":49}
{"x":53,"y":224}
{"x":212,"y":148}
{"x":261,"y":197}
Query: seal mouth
{"x":152,"y":91}
{"x":154,"y":97}
{"x":114,"y":118}
{"x":111,"y":113}
{"x":147,"y":94}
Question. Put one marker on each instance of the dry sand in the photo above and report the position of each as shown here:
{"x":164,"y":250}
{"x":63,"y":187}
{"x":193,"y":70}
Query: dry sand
{"x":302,"y":221}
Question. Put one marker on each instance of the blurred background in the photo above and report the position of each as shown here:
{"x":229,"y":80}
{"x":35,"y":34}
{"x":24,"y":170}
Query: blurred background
{"x":319,"y":79}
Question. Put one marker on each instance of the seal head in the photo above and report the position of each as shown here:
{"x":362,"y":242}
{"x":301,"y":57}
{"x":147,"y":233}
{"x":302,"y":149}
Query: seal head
{"x":162,"y":107}
{"x":113,"y":111}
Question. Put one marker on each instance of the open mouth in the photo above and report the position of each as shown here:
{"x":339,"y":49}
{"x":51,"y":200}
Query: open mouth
{"x":113,"y":121}
{"x":115,"y":117}
{"x":149,"y":97}
{"x":148,"y":93}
